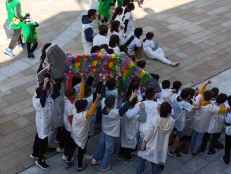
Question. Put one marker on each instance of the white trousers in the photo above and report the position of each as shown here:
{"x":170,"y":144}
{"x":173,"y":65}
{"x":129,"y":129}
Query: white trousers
{"x":158,"y":55}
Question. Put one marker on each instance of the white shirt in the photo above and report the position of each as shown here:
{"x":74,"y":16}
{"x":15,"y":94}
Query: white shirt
{"x":165,"y":95}
{"x":149,"y":45}
{"x":100,"y":40}
{"x":68,"y":110}
{"x":136,"y":43}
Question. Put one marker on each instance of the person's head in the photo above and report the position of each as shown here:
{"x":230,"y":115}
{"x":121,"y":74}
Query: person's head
{"x":129,"y":7}
{"x":103,"y":30}
{"x":229,"y":100}
{"x":185,"y":94}
{"x":150,"y":93}
{"x":221,"y":98}
{"x":89,"y":81}
{"x":176,"y":85}
{"x":207,"y":95}
{"x":81,"y":105}
{"x":165,"y":110}
{"x":95,"y":49}
{"x":115,"y":26}
{"x":138,"y":32}
{"x":118,"y":11}
{"x":76,"y":80}
{"x":110,"y":102}
{"x":104,"y":47}
{"x":87,"y":91}
{"x":155,"y":76}
{"x":141,"y":64}
{"x":149,"y":35}
{"x":165,"y":84}
{"x":114,"y":41}
{"x":111,"y":84}
{"x":92,"y":14}
{"x":215,"y":92}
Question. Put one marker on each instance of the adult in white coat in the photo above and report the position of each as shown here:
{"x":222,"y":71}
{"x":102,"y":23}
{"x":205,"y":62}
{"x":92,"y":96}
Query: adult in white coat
{"x":128,"y":19}
{"x":42,"y":105}
{"x":102,"y":37}
{"x":153,"y":51}
{"x":88,"y":30}
{"x":155,"y":143}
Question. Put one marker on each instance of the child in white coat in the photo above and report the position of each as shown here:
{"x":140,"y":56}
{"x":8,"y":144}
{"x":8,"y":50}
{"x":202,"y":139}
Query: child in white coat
{"x":43,"y":109}
{"x":153,"y":51}
{"x":155,"y":143}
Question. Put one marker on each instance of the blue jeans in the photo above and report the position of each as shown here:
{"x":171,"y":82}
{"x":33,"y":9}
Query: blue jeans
{"x":196,"y":141}
{"x":156,"y":168}
{"x":104,"y":150}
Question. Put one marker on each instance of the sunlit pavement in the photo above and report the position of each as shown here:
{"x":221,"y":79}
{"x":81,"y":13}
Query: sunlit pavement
{"x":196,"y":33}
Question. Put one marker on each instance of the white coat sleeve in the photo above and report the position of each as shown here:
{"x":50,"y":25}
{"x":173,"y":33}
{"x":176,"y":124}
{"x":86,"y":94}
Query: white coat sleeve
{"x":133,"y":112}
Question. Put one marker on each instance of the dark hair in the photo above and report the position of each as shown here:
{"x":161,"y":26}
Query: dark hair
{"x":76,"y":80}
{"x":95,"y":49}
{"x":150,"y":93}
{"x":43,"y":56}
{"x":185,"y":93}
{"x":165,"y":109}
{"x":115,"y":26}
{"x":103,"y":30}
{"x":89,"y":81}
{"x":221,"y":98}
{"x":149,"y":35}
{"x":129,"y":7}
{"x":104,"y":46}
{"x":134,"y":85}
{"x":165,"y":84}
{"x":114,"y":41}
{"x":215,"y":92}
{"x":138,"y":32}
{"x":111,"y":84}
{"x":155,"y":76}
{"x":110,"y":101}
{"x":141,"y":64}
{"x":81,"y":105}
{"x":118,"y":11}
{"x":91,"y":12}
{"x":207,"y":95}
{"x":176,"y":86}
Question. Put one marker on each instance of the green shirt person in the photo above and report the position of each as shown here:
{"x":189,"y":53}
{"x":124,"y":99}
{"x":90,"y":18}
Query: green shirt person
{"x":29,"y":35}
{"x":14,"y":14}
{"x":14,"y":18}
{"x":105,"y":9}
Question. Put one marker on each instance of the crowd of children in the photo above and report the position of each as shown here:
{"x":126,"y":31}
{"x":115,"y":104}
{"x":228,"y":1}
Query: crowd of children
{"x":148,"y":121}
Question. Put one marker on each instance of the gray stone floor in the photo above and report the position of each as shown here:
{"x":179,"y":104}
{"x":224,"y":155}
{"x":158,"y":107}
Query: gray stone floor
{"x":197,"y":33}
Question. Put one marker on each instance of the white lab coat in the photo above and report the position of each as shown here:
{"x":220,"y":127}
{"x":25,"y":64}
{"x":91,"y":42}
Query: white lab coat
{"x":68,"y":111}
{"x":157,"y":141}
{"x":152,"y":114}
{"x":203,"y":117}
{"x":129,"y":131}
{"x":100,"y":40}
{"x":80,"y":128}
{"x":153,"y":51}
{"x":165,"y":95}
{"x":86,"y":45}
{"x":42,"y":117}
{"x":130,"y":27}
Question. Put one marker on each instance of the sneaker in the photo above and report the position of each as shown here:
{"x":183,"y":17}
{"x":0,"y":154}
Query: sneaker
{"x":59,"y":150}
{"x":9,"y":52}
{"x":64,"y":157}
{"x":33,"y":157}
{"x":175,"y":64}
{"x":31,"y":56}
{"x":81,"y":168}
{"x":94,"y":162}
{"x":69,"y":164}
{"x":211,"y":152}
{"x":41,"y":164}
{"x":105,"y":169}
{"x":225,"y":160}
{"x":171,"y":154}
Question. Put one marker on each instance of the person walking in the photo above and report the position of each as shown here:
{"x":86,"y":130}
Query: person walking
{"x":14,"y":18}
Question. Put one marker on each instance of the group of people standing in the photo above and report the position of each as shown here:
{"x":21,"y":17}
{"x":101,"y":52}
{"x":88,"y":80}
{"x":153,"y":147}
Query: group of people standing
{"x":148,"y":121}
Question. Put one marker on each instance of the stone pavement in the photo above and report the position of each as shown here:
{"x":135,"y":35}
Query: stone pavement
{"x":193,"y":32}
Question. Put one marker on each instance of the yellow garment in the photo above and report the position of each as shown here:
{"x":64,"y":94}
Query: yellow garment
{"x":82,"y":90}
{"x":222,"y":109}
{"x":91,"y":111}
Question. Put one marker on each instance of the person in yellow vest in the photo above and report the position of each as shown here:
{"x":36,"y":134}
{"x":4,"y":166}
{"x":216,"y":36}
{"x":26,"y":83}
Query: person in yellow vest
{"x":14,"y":18}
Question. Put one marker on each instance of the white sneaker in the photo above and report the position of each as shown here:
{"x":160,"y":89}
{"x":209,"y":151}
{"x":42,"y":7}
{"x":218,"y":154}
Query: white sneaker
{"x":59,"y":150}
{"x":64,"y":157}
{"x":9,"y":52}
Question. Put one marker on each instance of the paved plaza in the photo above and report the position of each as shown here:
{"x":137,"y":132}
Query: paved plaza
{"x":194,"y":32}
